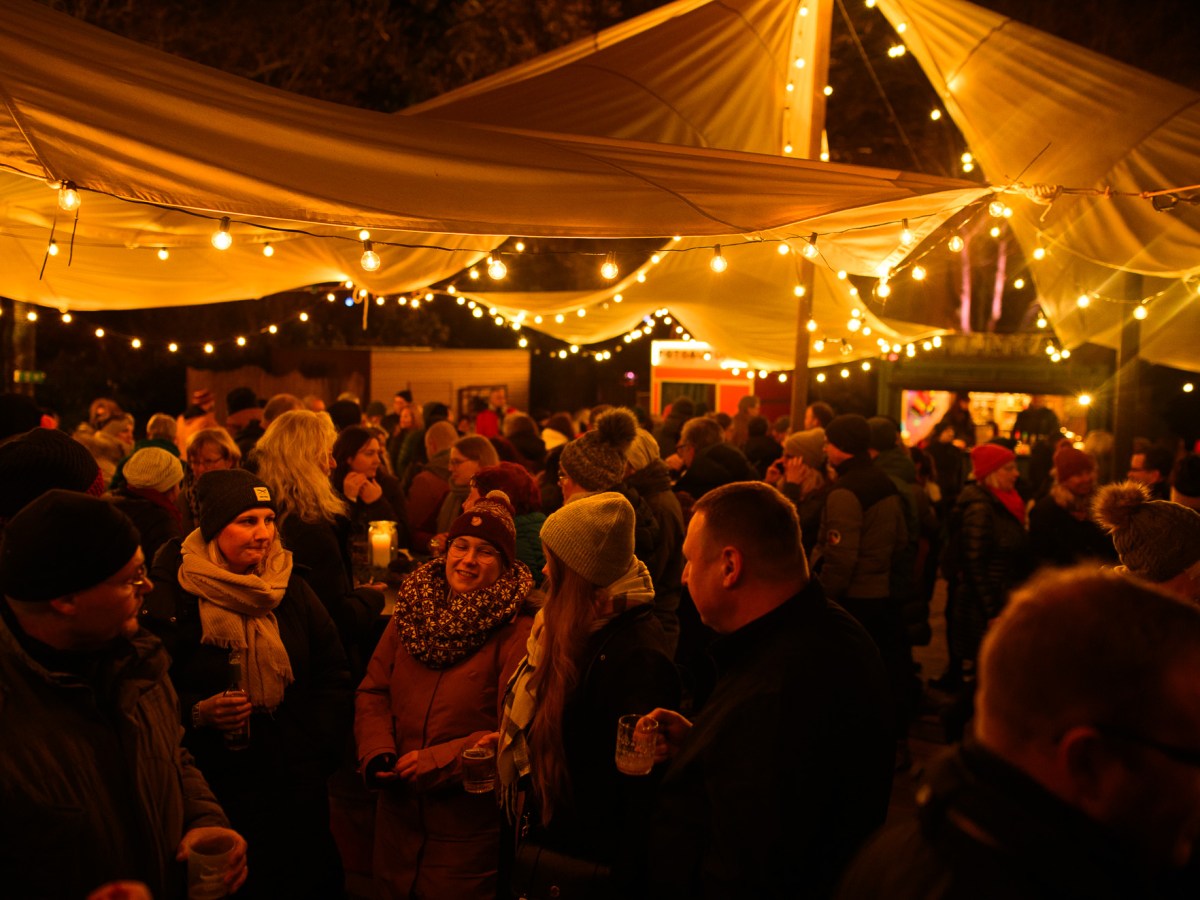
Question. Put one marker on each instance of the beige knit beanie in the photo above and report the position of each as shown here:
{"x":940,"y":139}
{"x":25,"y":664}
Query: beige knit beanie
{"x":1155,"y":539}
{"x":596,"y":460}
{"x":643,"y":451}
{"x":593,"y":535}
{"x":808,"y":445}
{"x":153,"y":468}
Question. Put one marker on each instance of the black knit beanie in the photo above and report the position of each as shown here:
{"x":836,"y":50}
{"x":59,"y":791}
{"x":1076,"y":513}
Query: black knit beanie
{"x":64,"y":542}
{"x":223,"y":494}
{"x":850,"y":433}
{"x":42,"y":459}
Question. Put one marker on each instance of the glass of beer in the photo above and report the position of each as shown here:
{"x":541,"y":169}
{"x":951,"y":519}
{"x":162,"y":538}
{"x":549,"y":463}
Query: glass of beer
{"x":479,"y":770}
{"x":636,"y":736}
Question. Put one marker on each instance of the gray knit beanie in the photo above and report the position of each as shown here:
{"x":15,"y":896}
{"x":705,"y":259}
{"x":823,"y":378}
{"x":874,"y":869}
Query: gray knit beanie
{"x":596,"y":460}
{"x":593,"y":535}
{"x":808,"y":445}
{"x":1155,"y":539}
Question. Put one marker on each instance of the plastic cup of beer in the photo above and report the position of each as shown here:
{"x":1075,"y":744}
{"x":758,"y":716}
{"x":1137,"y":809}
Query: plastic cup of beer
{"x":479,"y":770}
{"x":636,"y":736}
{"x":207,"y":862}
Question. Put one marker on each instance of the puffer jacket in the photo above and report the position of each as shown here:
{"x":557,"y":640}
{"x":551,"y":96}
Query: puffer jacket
{"x":94,"y":788}
{"x":990,"y":557}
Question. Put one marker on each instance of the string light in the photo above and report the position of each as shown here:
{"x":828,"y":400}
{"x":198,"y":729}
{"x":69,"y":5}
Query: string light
{"x":609,"y":270}
{"x":718,"y":263}
{"x":66,"y":318}
{"x":820,"y":377}
{"x":99,"y":332}
{"x":935,"y":114}
{"x":473,"y":274}
{"x":845,"y":373}
{"x":955,"y":244}
{"x":812,"y":325}
{"x":799,"y":290}
{"x":1039,"y":253}
{"x":520,"y":246}
{"x":995,"y":208}
{"x":810,"y":247}
{"x":273,"y":329}
{"x":783,"y":378}
{"x":827,"y":90}
{"x":268,"y":250}
{"x":496,"y":268}
{"x":1084,"y":399}
{"x":937,"y":340}
{"x":1041,"y":321}
{"x":784,"y":248}
{"x":173,"y":347}
{"x":994,"y":231}
{"x":241,"y":342}
{"x":1019,"y":283}
{"x":866,"y":366}
{"x":68,"y":196}
{"x":32,"y":315}
{"x":897,"y":50}
{"x":1139,"y":312}
{"x":883,"y":289}
{"x":221,"y":238}
{"x":370,"y":259}
{"x":918,"y":273}
{"x":136,"y":344}
{"x":163,"y":253}
{"x":52,"y":248}
{"x":559,"y":319}
{"x":209,"y":348}
{"x":1083,"y":301}
{"x":1188,"y":388}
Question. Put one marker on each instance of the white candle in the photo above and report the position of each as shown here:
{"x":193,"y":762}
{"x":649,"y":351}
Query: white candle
{"x":381,"y":549}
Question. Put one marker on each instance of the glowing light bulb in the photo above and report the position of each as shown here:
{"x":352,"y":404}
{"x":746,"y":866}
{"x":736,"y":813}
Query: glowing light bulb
{"x":799,"y":290}
{"x":784,"y":249}
{"x":1041,"y":321}
{"x":451,"y":290}
{"x":559,"y":318}
{"x":1083,"y":301}
{"x":241,"y":342}
{"x":994,"y":231}
{"x":820,"y":377}
{"x":173,"y":347}
{"x":496,"y":268}
{"x":812,"y":325}
{"x":474,"y":274}
{"x":968,"y":167}
{"x":995,"y":208}
{"x":897,"y":50}
{"x":1139,"y":312}
{"x":331,"y":296}
{"x":883,"y":289}
{"x":221,"y":238}
{"x":866,"y":366}
{"x":209,"y":348}
{"x":477,"y":312}
{"x":800,"y":63}
{"x":268,"y":250}
{"x":824,"y":156}
{"x":537,"y":320}
{"x":574,"y":348}
{"x":810,"y":247}
{"x":99,"y":332}
{"x":718,"y":263}
{"x":32,"y":316}
{"x":303,"y":317}
{"x":641,"y":277}
{"x":273,"y":329}
{"x":656,"y":258}
{"x":520,"y":246}
{"x":790,"y":87}
{"x":163,"y":253}
{"x":819,"y":345}
{"x":967,"y":157}
{"x":609,"y":270}
{"x":854,"y":324}
{"x":523,"y":342}
{"x":581,"y":312}
{"x":845,"y":373}
{"x":370,"y":259}
{"x":617,"y":298}
{"x":919,"y":273}
{"x":1039,"y":252}
{"x":52,"y":247}
{"x":66,"y":318}
{"x":955,"y":244}
{"x":1019,"y":283}
{"x":1084,"y":399}
{"x":827,"y":90}
{"x":68,"y":196}
{"x":1065,"y":354}
{"x":1188,"y":388}
{"x":136,"y":343}
{"x":935,"y":114}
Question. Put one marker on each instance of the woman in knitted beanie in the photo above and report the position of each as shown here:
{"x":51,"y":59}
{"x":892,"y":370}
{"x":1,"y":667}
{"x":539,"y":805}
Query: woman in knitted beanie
{"x":596,"y":653}
{"x":432,"y":689}
{"x":519,"y":485}
{"x":230,"y":587}
{"x":1157,"y":540}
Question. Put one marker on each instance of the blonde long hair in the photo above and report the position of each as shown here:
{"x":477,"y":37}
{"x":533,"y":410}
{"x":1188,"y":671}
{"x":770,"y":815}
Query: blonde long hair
{"x":567,"y":615}
{"x":293,"y":458}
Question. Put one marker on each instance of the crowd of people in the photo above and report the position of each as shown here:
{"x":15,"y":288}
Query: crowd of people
{"x":199,"y":641}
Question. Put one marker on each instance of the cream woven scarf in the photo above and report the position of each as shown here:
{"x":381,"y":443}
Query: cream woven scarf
{"x":236,"y":612}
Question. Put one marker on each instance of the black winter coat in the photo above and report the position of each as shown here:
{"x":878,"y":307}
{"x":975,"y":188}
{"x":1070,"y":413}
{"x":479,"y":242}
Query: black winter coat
{"x":989,"y":555}
{"x":625,"y":670}
{"x":714,"y":466}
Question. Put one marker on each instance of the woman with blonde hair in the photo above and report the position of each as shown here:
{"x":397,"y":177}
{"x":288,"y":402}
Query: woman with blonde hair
{"x":596,"y":652}
{"x":295,"y":458}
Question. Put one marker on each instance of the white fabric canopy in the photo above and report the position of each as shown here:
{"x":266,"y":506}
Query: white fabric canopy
{"x":1040,"y":110}
{"x":127,"y":123}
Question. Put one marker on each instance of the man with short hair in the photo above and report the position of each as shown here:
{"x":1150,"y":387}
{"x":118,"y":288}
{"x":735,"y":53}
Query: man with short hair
{"x":1152,"y":467}
{"x":707,"y":461}
{"x":788,"y":767}
{"x":96,"y":785}
{"x":818,"y":415}
{"x":1083,"y":778}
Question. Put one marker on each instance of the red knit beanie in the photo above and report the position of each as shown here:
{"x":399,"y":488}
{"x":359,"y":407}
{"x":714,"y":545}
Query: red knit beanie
{"x":1069,"y":462}
{"x":987,"y":458}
